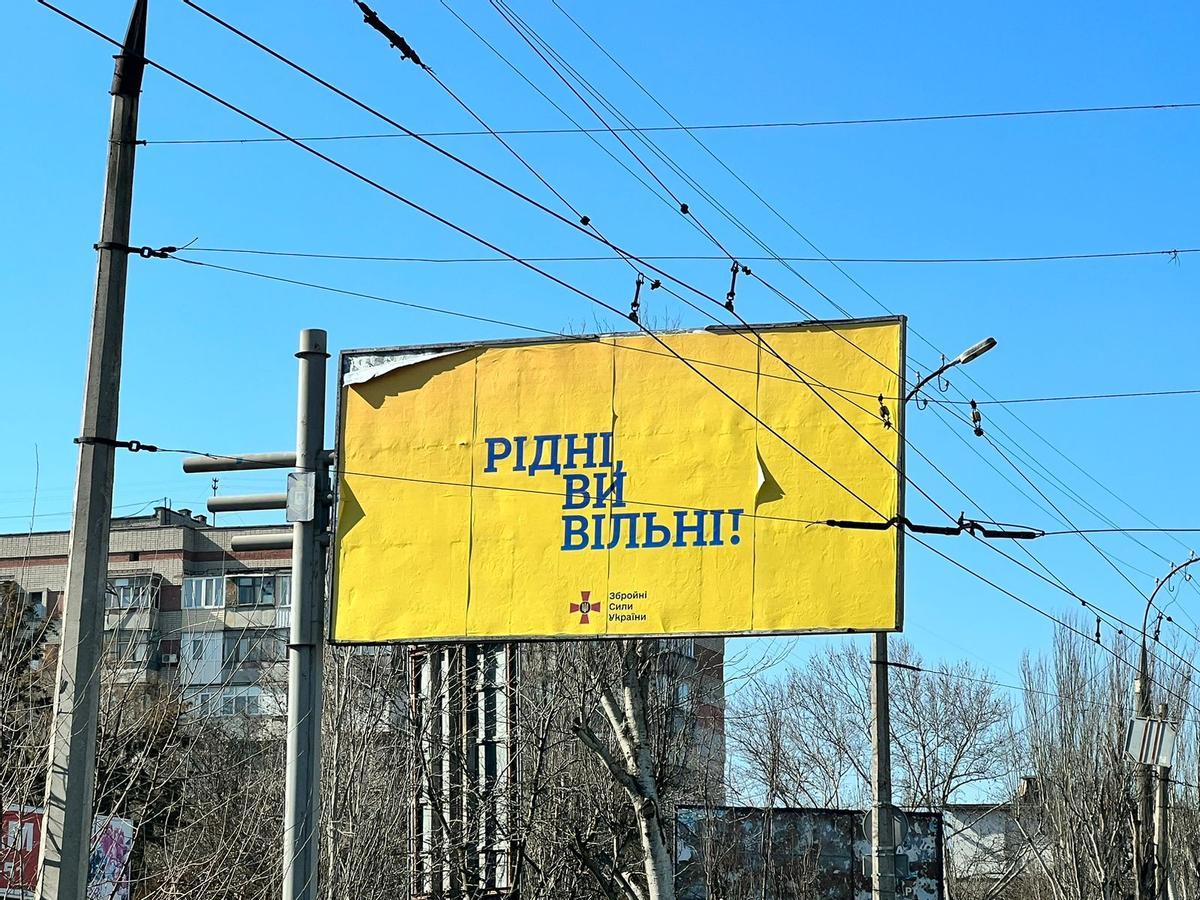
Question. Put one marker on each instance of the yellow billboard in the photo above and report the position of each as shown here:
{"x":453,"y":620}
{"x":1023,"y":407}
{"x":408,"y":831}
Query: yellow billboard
{"x":613,"y":486}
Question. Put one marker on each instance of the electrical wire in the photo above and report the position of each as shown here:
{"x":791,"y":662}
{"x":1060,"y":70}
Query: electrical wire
{"x":534,"y":329}
{"x":1050,"y":576}
{"x":1057,"y":582}
{"x":476,"y":170}
{"x":958,"y":676}
{"x":743,"y":257}
{"x":533,"y":40}
{"x":417,"y":207}
{"x":497,"y":3}
{"x":526,"y":32}
{"x":1124,"y":395}
{"x":582,"y":227}
{"x":440,"y":310}
{"x":44,"y":515}
{"x":1122,"y":531}
{"x":728,"y":126}
{"x":1041,"y":612}
{"x":1059,"y":585}
{"x":530,"y":36}
{"x":646,"y":91}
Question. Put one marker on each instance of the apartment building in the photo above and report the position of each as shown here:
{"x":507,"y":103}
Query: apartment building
{"x":183,"y":610}
{"x":186,"y":613}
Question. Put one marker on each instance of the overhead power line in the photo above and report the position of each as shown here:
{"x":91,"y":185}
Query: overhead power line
{"x":600,"y":45}
{"x":581,"y":227}
{"x":1048,"y":615}
{"x":395,"y":124}
{"x":721,"y":126}
{"x":455,"y":227}
{"x":465,"y":232}
{"x":885,"y":260}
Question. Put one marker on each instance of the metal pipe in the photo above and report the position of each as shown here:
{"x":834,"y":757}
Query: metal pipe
{"x":247,"y":502}
{"x":302,"y":790}
{"x":261,"y":542}
{"x":283,"y":459}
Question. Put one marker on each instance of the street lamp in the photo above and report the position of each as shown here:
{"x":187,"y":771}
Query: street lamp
{"x":1148,"y":861}
{"x":971,"y":354}
{"x":883,"y":836}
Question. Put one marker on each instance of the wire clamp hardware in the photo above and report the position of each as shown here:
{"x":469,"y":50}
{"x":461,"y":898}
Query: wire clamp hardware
{"x":394,"y":39}
{"x":637,"y":298}
{"x":131,"y":446}
{"x":732,"y":292}
{"x":143,"y":252}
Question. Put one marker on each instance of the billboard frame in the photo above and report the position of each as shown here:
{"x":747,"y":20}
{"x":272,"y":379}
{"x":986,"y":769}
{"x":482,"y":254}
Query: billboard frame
{"x":442,"y":347}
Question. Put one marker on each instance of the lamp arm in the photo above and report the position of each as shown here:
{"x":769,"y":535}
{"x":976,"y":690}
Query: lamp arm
{"x":928,"y":378}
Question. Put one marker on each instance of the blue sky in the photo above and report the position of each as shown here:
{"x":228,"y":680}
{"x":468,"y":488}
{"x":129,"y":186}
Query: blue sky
{"x":208,"y":355}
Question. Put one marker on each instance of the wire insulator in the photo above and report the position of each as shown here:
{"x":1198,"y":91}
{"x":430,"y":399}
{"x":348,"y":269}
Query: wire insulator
{"x":637,"y":298}
{"x":885,"y":414}
{"x":976,"y":419}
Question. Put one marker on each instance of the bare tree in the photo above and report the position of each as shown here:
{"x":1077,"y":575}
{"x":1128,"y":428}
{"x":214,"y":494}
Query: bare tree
{"x":805,"y":740}
{"x":1077,"y":824}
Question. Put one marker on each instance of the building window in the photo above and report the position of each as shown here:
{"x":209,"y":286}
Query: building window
{"x":206,"y":592}
{"x":246,"y":591}
{"x":283,"y":589}
{"x":37,"y":605}
{"x":130,"y":592}
{"x":260,"y":645}
{"x":241,"y":702}
{"x":127,"y":647}
{"x":202,"y":702}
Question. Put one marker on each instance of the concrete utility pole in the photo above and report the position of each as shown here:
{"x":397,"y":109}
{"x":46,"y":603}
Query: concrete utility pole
{"x":1145,"y":826}
{"x":1162,"y":871}
{"x":70,"y":783}
{"x":1144,"y":838}
{"x":305,"y":662}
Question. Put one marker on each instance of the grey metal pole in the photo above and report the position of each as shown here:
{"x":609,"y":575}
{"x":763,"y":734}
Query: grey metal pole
{"x":1162,"y":847}
{"x":883,"y":835}
{"x":1144,"y":837}
{"x":305,"y":664}
{"x":70,"y":782}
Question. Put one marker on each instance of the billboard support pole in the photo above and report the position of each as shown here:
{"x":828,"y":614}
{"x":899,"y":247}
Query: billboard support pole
{"x":883,"y":835}
{"x":306,"y":644}
{"x":70,"y":780}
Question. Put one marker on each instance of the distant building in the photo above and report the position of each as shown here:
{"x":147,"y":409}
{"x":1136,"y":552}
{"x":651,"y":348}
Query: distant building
{"x":988,"y":845}
{"x":787,"y":853}
{"x":186,"y":612}
{"x":182,"y":608}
